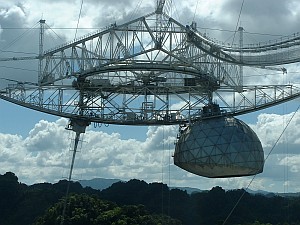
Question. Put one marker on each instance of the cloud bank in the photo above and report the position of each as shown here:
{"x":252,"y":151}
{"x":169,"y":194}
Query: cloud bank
{"x":45,"y":155}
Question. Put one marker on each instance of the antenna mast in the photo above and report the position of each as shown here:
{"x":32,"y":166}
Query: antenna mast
{"x":41,"y":49}
{"x":160,"y":6}
{"x":241,"y":69}
{"x":159,"y":21}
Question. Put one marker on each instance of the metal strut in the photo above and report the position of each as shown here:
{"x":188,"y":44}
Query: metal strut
{"x":41,"y":49}
{"x":78,"y":126}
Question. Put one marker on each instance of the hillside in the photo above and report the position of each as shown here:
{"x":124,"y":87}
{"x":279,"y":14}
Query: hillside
{"x":20,"y":202}
{"x":98,"y":183}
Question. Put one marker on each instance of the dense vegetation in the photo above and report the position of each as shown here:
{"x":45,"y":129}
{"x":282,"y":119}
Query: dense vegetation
{"x":136,"y":202}
{"x":84,"y":209}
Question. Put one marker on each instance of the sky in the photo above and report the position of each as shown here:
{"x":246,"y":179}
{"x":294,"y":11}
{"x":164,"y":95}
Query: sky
{"x":36,"y":146}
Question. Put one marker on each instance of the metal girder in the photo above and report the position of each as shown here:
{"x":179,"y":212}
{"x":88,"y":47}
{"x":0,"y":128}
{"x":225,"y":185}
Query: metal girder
{"x":149,"y":71}
{"x":137,"y":48}
{"x":254,"y":98}
{"x":150,"y":105}
{"x":278,"y":52}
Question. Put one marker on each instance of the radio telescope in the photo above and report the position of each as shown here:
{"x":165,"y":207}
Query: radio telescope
{"x":154,"y":71}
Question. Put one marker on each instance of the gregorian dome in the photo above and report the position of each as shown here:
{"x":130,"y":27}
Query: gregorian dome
{"x":219,"y":147}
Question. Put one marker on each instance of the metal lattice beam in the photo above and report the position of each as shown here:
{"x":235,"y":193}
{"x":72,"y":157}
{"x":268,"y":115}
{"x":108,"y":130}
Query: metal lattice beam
{"x":149,"y":71}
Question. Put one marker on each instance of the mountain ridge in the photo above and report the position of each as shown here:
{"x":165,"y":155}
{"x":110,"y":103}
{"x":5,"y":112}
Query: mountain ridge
{"x":104,"y":183}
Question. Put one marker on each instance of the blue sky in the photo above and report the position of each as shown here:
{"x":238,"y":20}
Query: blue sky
{"x":19,"y":120}
{"x":35,"y":146}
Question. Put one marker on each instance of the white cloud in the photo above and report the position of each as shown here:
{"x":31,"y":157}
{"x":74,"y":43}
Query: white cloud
{"x":158,"y":138}
{"x":272,"y":128}
{"x":48,"y":145}
{"x":103,"y":155}
{"x":44,"y":154}
{"x":46,"y":136}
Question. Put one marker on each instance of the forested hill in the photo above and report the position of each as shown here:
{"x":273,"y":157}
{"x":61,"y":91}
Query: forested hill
{"x":22,"y":204}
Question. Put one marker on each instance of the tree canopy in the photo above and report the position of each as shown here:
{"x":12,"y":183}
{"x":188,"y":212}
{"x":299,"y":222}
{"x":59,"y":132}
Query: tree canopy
{"x":84,"y":209}
{"x":136,"y":202}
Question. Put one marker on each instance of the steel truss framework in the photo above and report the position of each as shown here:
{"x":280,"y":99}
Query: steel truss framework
{"x":150,"y":71}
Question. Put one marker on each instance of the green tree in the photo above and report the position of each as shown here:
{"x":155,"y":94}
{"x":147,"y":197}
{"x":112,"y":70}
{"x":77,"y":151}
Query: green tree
{"x":84,"y":209}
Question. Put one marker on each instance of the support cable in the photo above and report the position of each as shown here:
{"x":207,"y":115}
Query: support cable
{"x":18,"y":38}
{"x":135,"y":11}
{"x":285,"y":171}
{"x":17,"y":68}
{"x":195,"y":10}
{"x":176,"y":12}
{"x":275,"y":144}
{"x":70,"y":176}
{"x":288,"y":123}
{"x":56,"y":33}
{"x":238,"y":201}
{"x":78,"y":132}
{"x":79,"y":16}
{"x":162,"y":172}
{"x":286,"y":163}
{"x":169,"y":180}
{"x":237,"y":23}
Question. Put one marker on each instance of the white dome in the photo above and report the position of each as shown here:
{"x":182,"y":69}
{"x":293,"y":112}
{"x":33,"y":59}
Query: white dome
{"x":219,"y":147}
